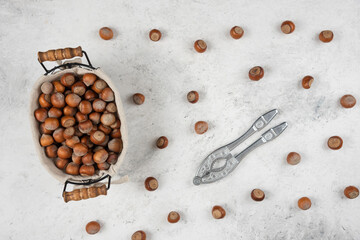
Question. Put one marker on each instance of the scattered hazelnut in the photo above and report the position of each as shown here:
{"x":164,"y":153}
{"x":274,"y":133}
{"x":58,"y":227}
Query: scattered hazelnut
{"x":67,"y":79}
{"x":193,"y":97}
{"x":98,"y":86}
{"x":58,"y":135}
{"x":326,"y":36}
{"x":115,"y":145}
{"x":51,"y":151}
{"x":100,"y":156}
{"x":87,"y":170}
{"x":293,"y":158}
{"x":257,"y":195}
{"x":89,"y":79}
{"x":67,"y":121}
{"x":47,"y":87}
{"x":54,"y":112}
{"x":72,"y":100}
{"x":347,"y":101}
{"x":200,"y":46}
{"x":107,"y":95}
{"x":335,"y":142}
{"x":162,"y":142}
{"x":218,"y":212}
{"x":51,"y":123}
{"x":99,"y":105}
{"x":97,"y":137}
{"x":64,"y":152}
{"x":139,"y":235}
{"x":72,"y":168}
{"x":256,"y":73}
{"x":138,"y":98}
{"x":287,"y":27}
{"x":103,"y":166}
{"x":155,"y":35}
{"x":151,"y":184}
{"x":106,"y":33}
{"x":46,"y":140}
{"x":173,"y":217}
{"x":44,"y":100}
{"x":61,"y":163}
{"x":351,"y":192}
{"x":307,"y":81}
{"x":41,"y":114}
{"x":236,"y":32}
{"x":304,"y":203}
{"x":201,"y":127}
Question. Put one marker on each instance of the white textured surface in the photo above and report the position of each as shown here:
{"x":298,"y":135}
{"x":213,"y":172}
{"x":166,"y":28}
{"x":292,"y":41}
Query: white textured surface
{"x":31,"y":203}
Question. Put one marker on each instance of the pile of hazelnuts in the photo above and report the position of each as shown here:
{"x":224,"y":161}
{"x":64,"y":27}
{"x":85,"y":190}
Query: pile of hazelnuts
{"x":79,"y":124}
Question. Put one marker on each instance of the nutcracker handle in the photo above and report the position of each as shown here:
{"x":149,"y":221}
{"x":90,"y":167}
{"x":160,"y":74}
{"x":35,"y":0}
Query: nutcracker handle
{"x":60,"y":54}
{"x":85,"y":193}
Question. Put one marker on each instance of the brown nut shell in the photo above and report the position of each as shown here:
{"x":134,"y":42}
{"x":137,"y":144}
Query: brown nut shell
{"x":218,"y":212}
{"x":257,"y":195}
{"x":67,"y":121}
{"x":201,"y":127}
{"x":72,"y":168}
{"x":155,"y":35}
{"x":80,"y":149}
{"x":173,"y":217}
{"x":100,"y":156}
{"x":72,"y":100}
{"x":256,"y":73}
{"x":58,"y":87}
{"x":51,"y":151}
{"x":51,"y":124}
{"x":106,"y":33}
{"x":335,"y":142}
{"x":69,"y":111}
{"x":293,"y":158}
{"x":46,"y":140}
{"x":115,"y":145}
{"x":111,"y":107}
{"x":85,"y":107}
{"x":98,"y":86}
{"x":326,"y":36}
{"x":89,"y":79}
{"x":45,"y":100}
{"x":69,"y":132}
{"x":97,"y":137}
{"x":61,"y":163}
{"x":162,"y":142}
{"x":304,"y":203}
{"x":287,"y":27}
{"x":58,"y":100}
{"x":106,"y":129}
{"x":72,"y":141}
{"x":307,"y":81}
{"x":200,"y":46}
{"x":67,"y":79}
{"x":76,"y":159}
{"x":41,"y":114}
{"x":85,"y":127}
{"x":151,"y":184}
{"x":64,"y":152}
{"x":193,"y":97}
{"x":78,"y":88}
{"x":87,"y":159}
{"x":348,"y":101}
{"x":107,"y":95}
{"x":99,"y":105}
{"x":138,"y":98}
{"x":58,"y":135}
{"x":87,"y":171}
{"x":236,"y":32}
{"x":47,"y":88}
{"x":107,"y":119}
{"x":351,"y":192}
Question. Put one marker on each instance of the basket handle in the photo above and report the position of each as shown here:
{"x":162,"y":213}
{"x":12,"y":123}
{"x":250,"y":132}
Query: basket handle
{"x":60,"y":54}
{"x":84,"y":193}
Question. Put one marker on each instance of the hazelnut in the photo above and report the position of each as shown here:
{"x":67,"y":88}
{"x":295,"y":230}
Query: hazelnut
{"x":200,"y":46}
{"x":116,"y":133}
{"x":139,"y":235}
{"x":100,"y":156}
{"x":69,"y":132}
{"x":61,"y":163}
{"x":47,"y":87}
{"x":67,"y":92}
{"x":89,"y":79}
{"x":257,"y":195}
{"x":95,"y":117}
{"x":64,"y":152}
{"x":256,"y":73}
{"x":304,"y":203}
{"x":335,"y":142}
{"x":218,"y":212}
{"x":80,"y":149}
{"x":115,"y":145}
{"x":87,"y":159}
{"x":86,"y":140}
{"x":236,"y":32}
{"x":72,"y":141}
{"x":44,"y":130}
{"x":151,"y":184}
{"x":201,"y":127}
{"x":85,"y":127}
{"x":46,"y":140}
{"x":58,"y":87}
{"x":307,"y":81}
{"x":326,"y":36}
{"x":162,"y":142}
{"x":85,"y":107}
{"x":41,"y":114}
{"x":58,"y":100}
{"x":293,"y":158}
{"x":193,"y":97}
{"x":173,"y":217}
{"x":97,"y":137}
{"x":111,"y":107}
{"x":107,"y":95}
{"x":51,"y":123}
{"x":77,"y":132}
{"x":72,"y":168}
{"x":78,"y":88}
{"x":90,"y":95}
{"x":76,"y":159}
{"x":97,"y":148}
{"x":351,"y":192}
{"x":80,"y":117}
{"x":155,"y":35}
{"x":138,"y":98}
{"x":104,"y":144}
{"x":92,"y":227}
{"x":99,"y":105}
{"x":287,"y":27}
{"x":72,"y":100}
{"x":106,"y":129}
{"x":347,"y":101}
{"x":87,"y":171}
{"x":112,"y":159}
{"x":103,"y":166}
{"x":51,"y":151}
{"x":67,"y":121}
{"x":106,"y":33}
{"x":107,"y":119}
{"x":54,"y":112}
{"x":69,"y":111}
{"x":58,"y":135}
{"x":98,"y":86}
{"x":44,"y":100}
{"x":67,"y":79}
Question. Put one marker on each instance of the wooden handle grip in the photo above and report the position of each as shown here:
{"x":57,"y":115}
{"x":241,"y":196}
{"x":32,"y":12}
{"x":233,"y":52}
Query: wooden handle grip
{"x":84,"y":193}
{"x":60,"y":54}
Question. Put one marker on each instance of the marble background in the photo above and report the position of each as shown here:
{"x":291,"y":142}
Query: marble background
{"x":31,"y":203}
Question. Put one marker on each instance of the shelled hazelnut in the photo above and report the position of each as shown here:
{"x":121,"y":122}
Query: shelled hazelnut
{"x":162,"y":142}
{"x":201,"y":127}
{"x":139,"y":235}
{"x":257,"y":195}
{"x":173,"y":217}
{"x":351,"y":192}
{"x":304,"y":203}
{"x":200,"y":46}
{"x":236,"y":32}
{"x":151,"y":184}
{"x":155,"y":35}
{"x":106,"y":33}
{"x":138,"y":98}
{"x":256,"y":73}
{"x":218,"y":212}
